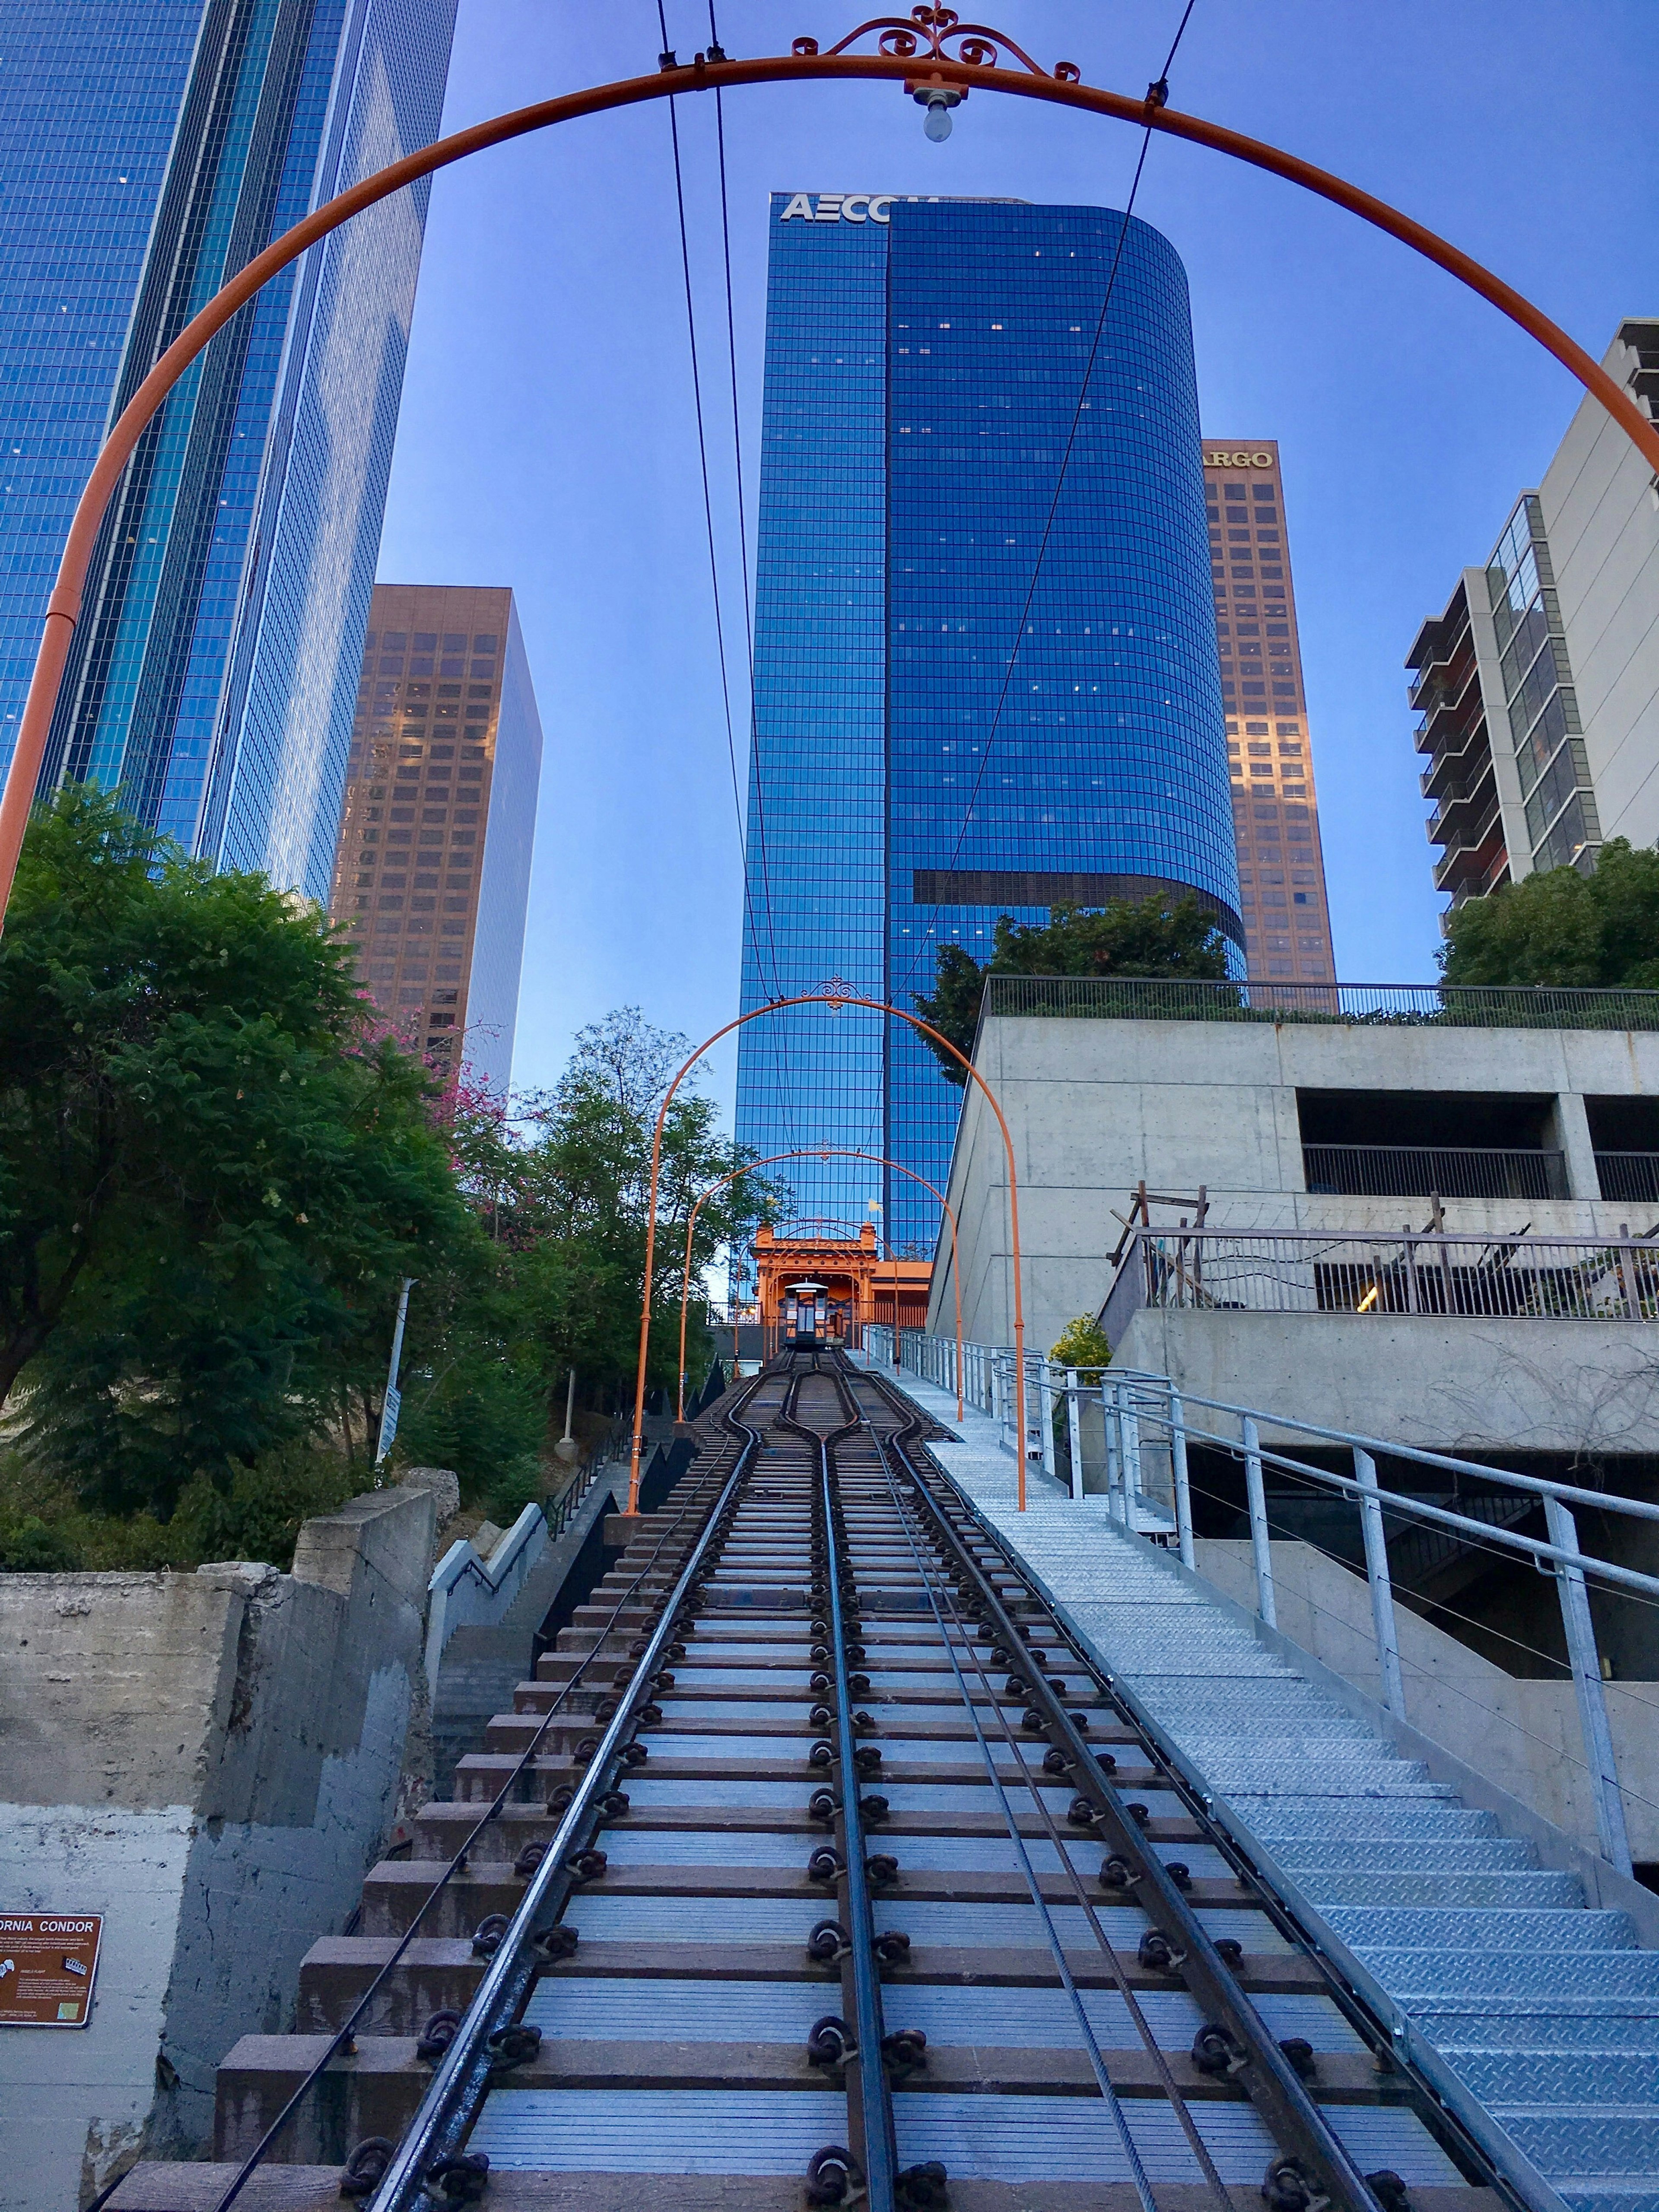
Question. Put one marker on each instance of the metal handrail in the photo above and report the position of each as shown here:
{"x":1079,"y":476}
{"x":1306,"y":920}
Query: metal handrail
{"x":1416,"y":1170}
{"x":1456,"y":1005}
{"x":1130,"y":1396}
{"x":1369,"y":1273}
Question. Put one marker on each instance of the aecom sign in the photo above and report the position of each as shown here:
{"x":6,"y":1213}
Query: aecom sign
{"x":840,"y":207}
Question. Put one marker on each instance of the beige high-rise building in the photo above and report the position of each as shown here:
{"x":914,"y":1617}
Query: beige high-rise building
{"x":432,"y":871}
{"x":1281,"y":864}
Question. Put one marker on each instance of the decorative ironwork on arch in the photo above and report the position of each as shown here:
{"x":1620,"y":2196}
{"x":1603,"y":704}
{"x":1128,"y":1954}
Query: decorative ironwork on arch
{"x":817,"y":1232}
{"x":938,"y":34}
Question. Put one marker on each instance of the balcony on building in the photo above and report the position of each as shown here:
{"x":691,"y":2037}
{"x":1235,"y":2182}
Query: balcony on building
{"x":1625,"y":1131}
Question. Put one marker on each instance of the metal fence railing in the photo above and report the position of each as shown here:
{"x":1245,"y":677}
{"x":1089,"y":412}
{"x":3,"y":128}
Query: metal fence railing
{"x":1432,"y":1171}
{"x":1126,"y":997}
{"x":1633,"y":1177}
{"x":1148,"y":1426}
{"x":1364,"y":1272}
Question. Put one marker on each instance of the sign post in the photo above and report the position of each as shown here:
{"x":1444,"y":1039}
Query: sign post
{"x":394,"y":1395}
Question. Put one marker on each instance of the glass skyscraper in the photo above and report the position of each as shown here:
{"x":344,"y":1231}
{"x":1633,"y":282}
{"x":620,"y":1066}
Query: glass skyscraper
{"x":970,"y":699}
{"x":148,"y":149}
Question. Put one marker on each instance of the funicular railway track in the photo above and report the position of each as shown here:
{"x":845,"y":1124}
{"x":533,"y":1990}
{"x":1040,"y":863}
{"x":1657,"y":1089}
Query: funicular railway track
{"x":818,"y":1868}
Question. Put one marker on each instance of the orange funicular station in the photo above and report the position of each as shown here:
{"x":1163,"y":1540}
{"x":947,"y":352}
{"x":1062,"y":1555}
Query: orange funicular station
{"x":826,"y":1280}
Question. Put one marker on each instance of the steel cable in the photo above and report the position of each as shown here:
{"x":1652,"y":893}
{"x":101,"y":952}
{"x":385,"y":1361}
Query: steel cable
{"x":1172,"y":2089}
{"x":714,"y":569}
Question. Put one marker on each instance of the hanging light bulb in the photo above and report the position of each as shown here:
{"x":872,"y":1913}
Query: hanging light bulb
{"x":939,"y":99}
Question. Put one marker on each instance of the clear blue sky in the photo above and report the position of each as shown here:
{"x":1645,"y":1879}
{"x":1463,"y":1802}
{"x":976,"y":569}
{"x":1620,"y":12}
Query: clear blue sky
{"x":547,"y":439}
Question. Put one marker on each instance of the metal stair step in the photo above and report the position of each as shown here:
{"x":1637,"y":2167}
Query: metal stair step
{"x":1593,"y":1975}
{"x":1471,"y":1928}
{"x":1590,"y":2076}
{"x":1589,"y":2147}
{"x":1312,"y":1856}
{"x":1382,"y":1819}
{"x":1016,"y":2139}
{"x":1038,"y":2017}
{"x":1374,"y":1887}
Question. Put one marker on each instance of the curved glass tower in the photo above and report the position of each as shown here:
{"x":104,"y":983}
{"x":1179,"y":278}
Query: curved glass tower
{"x":972,"y":698}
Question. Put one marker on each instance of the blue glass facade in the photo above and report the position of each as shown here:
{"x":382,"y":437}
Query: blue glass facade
{"x":215,"y":669}
{"x":925,"y":361}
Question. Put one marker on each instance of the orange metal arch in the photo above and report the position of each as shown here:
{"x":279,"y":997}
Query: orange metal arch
{"x":823,"y":1152}
{"x":973,"y":70}
{"x":834,"y":1002}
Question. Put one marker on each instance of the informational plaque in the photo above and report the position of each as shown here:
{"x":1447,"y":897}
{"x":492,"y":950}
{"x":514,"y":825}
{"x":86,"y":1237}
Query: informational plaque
{"x":48,"y":1962}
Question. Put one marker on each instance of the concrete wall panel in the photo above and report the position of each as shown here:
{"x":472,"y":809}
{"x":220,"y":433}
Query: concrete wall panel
{"x":210,"y":1760}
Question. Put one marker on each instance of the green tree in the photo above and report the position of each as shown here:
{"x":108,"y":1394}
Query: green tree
{"x":1562,"y":928}
{"x":588,"y":1185}
{"x":1156,"y":936}
{"x":561,"y":1186}
{"x":1082,"y":1344}
{"x":212,"y":1172}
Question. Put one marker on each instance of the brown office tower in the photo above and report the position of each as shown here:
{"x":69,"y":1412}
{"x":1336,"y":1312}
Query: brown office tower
{"x":1281,"y":867}
{"x":432,"y":872}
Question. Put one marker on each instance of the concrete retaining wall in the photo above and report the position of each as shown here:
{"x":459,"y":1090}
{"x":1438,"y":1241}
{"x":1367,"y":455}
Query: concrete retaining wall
{"x":210,"y":1761}
{"x":1094,"y":1106}
{"x":1453,"y":1386}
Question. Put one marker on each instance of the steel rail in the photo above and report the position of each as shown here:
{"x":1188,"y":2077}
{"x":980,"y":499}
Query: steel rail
{"x":461,"y":2081}
{"x":1292,"y":2118}
{"x":1057,"y":1949}
{"x":1637,"y":1509}
{"x":1109,"y":1950}
{"x":1487,"y":1532}
{"x":1464,"y":2126}
{"x":341,"y":2042}
{"x":869,"y":2098}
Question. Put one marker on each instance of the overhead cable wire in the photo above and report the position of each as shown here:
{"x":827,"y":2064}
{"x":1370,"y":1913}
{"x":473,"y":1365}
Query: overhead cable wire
{"x":1156,"y":94}
{"x":956,"y":1630}
{"x":714,"y":562}
{"x":776,"y":1037}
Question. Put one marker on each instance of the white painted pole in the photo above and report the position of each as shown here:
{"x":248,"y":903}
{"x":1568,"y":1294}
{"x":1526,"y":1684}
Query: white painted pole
{"x":1260,"y":1547}
{"x":1381,"y":1583}
{"x":1184,"y":1495}
{"x":1129,"y":1434}
{"x":392,"y":1403}
{"x":1074,"y":1428}
{"x":1587,"y":1682}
